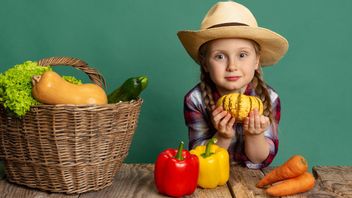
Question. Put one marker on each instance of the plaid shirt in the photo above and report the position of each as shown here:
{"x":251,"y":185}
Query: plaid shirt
{"x":200,"y":129}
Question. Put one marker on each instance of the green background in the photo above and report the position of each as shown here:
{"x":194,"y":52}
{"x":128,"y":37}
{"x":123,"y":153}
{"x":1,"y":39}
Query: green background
{"x":137,"y":37}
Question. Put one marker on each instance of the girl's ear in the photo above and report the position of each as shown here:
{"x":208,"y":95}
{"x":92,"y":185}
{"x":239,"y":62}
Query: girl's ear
{"x":203,"y":64}
{"x":205,"y":67}
{"x":257,"y":64}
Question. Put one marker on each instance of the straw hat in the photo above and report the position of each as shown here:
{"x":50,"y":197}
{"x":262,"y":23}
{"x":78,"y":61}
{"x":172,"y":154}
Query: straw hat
{"x":233,"y":20}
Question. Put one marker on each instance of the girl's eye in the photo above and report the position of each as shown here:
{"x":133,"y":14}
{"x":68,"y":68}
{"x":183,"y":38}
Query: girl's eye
{"x":219,"y":56}
{"x":243,"y":54}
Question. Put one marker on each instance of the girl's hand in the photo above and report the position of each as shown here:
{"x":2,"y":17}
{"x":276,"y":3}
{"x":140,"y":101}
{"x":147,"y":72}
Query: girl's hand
{"x":255,"y":124}
{"x":223,"y":122}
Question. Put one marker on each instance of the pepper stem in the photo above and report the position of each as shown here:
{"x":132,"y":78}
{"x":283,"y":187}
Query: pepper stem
{"x":208,"y":147}
{"x":179,"y":151}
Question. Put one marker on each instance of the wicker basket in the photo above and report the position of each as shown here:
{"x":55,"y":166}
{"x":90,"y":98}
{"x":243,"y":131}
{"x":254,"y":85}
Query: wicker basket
{"x":68,"y":148}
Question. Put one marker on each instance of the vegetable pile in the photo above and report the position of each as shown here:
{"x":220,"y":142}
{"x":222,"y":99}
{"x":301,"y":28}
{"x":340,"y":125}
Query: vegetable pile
{"x":16,"y":87}
{"x":289,"y":178}
{"x":178,"y":171}
{"x":29,"y":84}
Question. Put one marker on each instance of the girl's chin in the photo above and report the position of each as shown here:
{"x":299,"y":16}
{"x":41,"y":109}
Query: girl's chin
{"x":232,"y":89}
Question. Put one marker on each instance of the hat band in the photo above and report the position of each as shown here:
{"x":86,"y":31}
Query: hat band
{"x":227,"y":24}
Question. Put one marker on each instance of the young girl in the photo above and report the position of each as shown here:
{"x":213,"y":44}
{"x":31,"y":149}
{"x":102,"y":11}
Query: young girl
{"x":231,"y":49}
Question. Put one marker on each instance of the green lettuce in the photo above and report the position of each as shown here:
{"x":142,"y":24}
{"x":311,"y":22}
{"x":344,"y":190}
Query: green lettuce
{"x":72,"y":80}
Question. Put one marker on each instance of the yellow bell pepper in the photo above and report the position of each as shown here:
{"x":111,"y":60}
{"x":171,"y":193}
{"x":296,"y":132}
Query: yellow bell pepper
{"x":214,"y":165}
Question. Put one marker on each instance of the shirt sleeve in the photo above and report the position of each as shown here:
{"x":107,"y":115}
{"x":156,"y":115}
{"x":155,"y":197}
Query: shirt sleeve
{"x":271,"y":136}
{"x":196,"y":120}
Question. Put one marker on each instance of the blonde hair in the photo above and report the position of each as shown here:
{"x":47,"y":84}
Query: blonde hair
{"x":260,"y":87}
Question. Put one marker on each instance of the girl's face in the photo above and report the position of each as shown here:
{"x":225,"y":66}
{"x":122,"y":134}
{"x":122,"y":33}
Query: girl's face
{"x":231,"y":64}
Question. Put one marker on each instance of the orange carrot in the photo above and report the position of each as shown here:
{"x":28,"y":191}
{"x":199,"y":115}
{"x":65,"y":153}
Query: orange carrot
{"x":293,"y":167}
{"x":292,"y":186}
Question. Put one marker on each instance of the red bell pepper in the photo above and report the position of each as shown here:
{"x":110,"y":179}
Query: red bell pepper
{"x":176,"y":172}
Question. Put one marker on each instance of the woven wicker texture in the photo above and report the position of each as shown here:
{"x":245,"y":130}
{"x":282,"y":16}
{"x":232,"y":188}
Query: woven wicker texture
{"x":68,"y":148}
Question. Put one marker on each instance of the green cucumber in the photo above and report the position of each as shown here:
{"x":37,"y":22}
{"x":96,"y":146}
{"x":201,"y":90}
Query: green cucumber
{"x":129,"y":90}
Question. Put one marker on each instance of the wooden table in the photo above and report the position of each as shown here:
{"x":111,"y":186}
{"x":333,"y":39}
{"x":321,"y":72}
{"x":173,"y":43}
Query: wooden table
{"x":136,"y":180}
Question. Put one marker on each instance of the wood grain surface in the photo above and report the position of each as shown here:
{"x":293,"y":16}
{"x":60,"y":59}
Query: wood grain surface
{"x":242,"y":182}
{"x":137,"y":180}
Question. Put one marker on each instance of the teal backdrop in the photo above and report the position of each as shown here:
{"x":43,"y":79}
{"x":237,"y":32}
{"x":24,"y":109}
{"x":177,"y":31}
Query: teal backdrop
{"x":137,"y":37}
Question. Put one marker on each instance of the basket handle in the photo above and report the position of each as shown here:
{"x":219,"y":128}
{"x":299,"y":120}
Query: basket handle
{"x":92,"y":73}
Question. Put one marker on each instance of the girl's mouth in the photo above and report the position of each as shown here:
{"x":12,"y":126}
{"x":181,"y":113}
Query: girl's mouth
{"x":232,"y":78}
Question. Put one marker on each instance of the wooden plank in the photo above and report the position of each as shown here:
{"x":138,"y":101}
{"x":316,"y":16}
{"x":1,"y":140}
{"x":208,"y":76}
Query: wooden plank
{"x":132,"y":180}
{"x":317,"y":191}
{"x":137,"y":180}
{"x":9,"y":190}
{"x":218,"y":192}
{"x":243,"y":180}
{"x":335,"y":179}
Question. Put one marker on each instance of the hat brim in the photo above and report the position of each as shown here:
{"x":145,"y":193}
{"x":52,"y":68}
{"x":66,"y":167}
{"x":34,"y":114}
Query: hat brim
{"x":273,"y":46}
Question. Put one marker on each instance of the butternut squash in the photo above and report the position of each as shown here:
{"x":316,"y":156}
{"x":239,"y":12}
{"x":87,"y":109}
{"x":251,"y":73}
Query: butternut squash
{"x":239,"y":105}
{"x":51,"y":88}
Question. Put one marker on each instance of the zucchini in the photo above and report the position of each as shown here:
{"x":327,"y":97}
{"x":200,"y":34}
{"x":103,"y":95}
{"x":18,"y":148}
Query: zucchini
{"x":129,"y":90}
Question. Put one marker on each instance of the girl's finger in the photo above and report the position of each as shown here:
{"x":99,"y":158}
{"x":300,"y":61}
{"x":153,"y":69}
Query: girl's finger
{"x":216,"y":111}
{"x":245,"y":123}
{"x":266,"y":122}
{"x":219,"y":116}
{"x":262,"y":121}
{"x":251,"y":120}
{"x":225,"y":120}
{"x":213,"y":107}
{"x":256,"y":119}
{"x":232,"y":121}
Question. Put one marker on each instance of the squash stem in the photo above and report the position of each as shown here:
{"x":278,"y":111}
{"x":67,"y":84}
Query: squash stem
{"x":36,"y":79}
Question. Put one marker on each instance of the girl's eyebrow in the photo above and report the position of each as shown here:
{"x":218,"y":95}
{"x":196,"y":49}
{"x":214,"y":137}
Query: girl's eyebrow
{"x":212,"y":51}
{"x":224,"y":50}
{"x":245,"y":48}
{"x":217,"y":50}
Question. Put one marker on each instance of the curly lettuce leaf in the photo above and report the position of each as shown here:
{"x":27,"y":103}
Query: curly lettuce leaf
{"x":72,"y":80}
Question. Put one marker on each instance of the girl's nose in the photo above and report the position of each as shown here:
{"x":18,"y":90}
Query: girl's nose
{"x":231,"y":66}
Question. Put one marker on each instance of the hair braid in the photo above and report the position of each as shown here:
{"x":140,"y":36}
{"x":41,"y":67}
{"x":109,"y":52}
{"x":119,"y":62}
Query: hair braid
{"x":206,"y":90}
{"x":262,"y":91}
{"x":205,"y":81}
